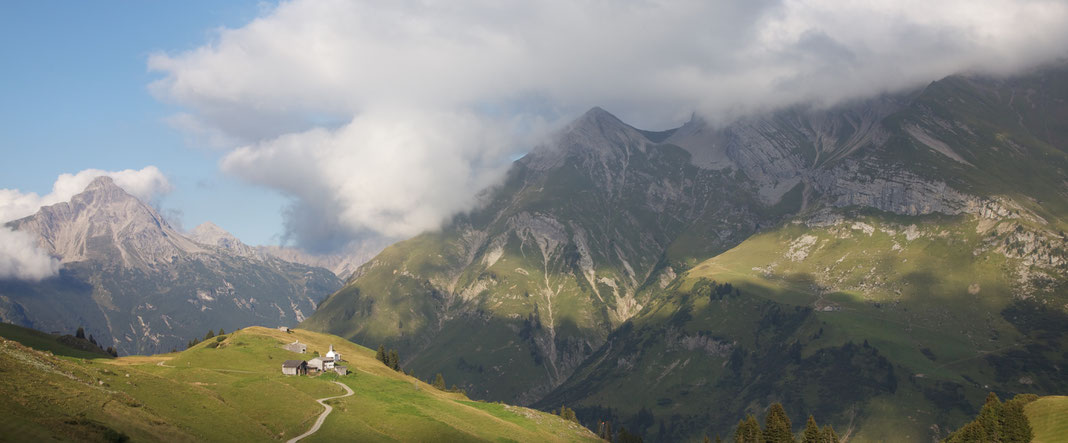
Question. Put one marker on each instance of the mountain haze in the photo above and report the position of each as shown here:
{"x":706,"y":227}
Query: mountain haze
{"x":137,"y":284}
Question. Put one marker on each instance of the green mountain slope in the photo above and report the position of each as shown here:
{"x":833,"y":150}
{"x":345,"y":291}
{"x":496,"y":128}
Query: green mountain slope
{"x":232,"y":390}
{"x":879,"y":327}
{"x":547,"y":268}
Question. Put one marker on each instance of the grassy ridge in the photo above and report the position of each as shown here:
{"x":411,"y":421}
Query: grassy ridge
{"x":232,"y":389}
{"x":66,"y":345}
{"x":1049,"y":419}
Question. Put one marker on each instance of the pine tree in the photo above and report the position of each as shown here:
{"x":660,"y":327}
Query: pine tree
{"x":1015,"y":428}
{"x":91,"y":339}
{"x":221,"y":332}
{"x":439,"y":382}
{"x":990,"y":417}
{"x":812,"y":431}
{"x":777,"y":425}
{"x":80,"y":333}
{"x":209,"y":335}
{"x":394,"y":360}
{"x":971,"y":433}
{"x":748,"y":431}
{"x":707,"y":440}
{"x":381,"y":354}
{"x":627,"y":437}
{"x":827,"y":435}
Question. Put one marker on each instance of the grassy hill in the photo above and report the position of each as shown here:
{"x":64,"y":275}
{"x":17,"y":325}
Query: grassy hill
{"x":1049,"y":419}
{"x":231,"y":389}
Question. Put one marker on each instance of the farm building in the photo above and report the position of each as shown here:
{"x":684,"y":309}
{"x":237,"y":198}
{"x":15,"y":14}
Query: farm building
{"x":295,"y":367}
{"x":296,"y":346}
{"x":316,"y":364}
{"x":341,"y":370}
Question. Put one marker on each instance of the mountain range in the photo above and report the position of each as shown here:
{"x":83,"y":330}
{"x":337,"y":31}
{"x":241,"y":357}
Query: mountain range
{"x":137,"y":284}
{"x":882,"y":264}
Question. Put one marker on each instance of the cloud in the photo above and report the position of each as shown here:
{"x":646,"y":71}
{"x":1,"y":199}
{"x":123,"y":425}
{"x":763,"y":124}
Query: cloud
{"x":381,"y":173}
{"x":350,"y":104}
{"x":146,"y":184}
{"x":21,"y":259}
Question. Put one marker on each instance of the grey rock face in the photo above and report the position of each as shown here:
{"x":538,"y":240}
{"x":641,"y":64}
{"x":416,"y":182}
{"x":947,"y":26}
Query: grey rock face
{"x":137,"y":284}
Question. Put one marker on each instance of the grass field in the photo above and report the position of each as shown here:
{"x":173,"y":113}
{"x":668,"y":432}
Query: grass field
{"x":1049,"y":419}
{"x":232,"y":389}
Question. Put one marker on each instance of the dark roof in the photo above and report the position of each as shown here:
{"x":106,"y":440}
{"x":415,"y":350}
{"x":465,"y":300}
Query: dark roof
{"x":292,"y":363}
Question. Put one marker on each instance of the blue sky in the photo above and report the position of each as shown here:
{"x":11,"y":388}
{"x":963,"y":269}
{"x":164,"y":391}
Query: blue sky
{"x":75,"y":96}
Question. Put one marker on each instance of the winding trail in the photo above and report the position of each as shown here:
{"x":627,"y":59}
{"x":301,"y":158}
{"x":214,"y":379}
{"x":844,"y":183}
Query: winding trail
{"x":322,"y":417}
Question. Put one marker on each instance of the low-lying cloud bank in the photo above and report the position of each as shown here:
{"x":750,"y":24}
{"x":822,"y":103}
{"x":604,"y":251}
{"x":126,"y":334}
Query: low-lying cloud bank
{"x":383,"y":118}
{"x":21,"y":259}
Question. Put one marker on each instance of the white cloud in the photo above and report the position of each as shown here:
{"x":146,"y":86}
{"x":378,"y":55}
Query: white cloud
{"x":21,"y":259}
{"x":145,"y":184}
{"x":349,"y":102}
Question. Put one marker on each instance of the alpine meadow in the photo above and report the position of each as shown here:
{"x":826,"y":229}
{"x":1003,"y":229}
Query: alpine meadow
{"x":660,"y":221}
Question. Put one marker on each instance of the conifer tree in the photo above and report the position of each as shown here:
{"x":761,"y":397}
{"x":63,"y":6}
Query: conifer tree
{"x":971,"y":433}
{"x":627,"y":437}
{"x":812,"y":431}
{"x":91,"y":339}
{"x":707,"y":440}
{"x":777,"y":425}
{"x":381,"y":354}
{"x":221,"y":332}
{"x":827,"y":435}
{"x":439,"y":382}
{"x":394,"y":360}
{"x":1015,"y":428}
{"x":748,"y":431}
{"x":990,"y":417}
{"x":80,"y":333}
{"x":209,"y":335}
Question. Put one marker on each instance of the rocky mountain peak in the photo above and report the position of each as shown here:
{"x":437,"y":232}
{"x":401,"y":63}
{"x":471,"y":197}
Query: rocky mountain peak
{"x":104,"y":222}
{"x":597,"y":138}
{"x":101,"y":190}
{"x":210,"y":234}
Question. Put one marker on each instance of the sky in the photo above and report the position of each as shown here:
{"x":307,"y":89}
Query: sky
{"x":75,"y":98}
{"x":326,"y":123}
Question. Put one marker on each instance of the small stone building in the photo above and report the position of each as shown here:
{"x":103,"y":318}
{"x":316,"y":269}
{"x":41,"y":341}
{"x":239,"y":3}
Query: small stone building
{"x":316,"y":363}
{"x":341,"y":370}
{"x":295,"y":367}
{"x":297,"y":347}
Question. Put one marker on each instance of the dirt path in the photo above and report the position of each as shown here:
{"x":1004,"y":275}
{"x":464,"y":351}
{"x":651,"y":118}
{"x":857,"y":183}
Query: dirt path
{"x":322,"y":417}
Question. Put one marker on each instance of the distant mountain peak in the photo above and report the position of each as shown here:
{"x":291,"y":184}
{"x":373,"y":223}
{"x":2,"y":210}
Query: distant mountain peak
{"x":597,"y":117}
{"x":210,"y":234}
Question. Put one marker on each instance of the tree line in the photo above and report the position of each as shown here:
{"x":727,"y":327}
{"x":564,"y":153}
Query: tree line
{"x":80,"y":333}
{"x":997,"y":422}
{"x":777,"y":429}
